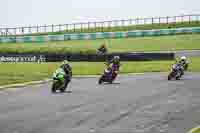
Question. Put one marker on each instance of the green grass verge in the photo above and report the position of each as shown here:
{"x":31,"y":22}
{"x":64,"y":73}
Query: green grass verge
{"x":124,"y":28}
{"x":23,"y":72}
{"x":160,"y":43}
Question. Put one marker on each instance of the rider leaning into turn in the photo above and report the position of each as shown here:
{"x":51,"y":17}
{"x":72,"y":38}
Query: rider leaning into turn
{"x":182,"y":63}
{"x":103,"y":49}
{"x":114,"y":61}
{"x":68,"y":71}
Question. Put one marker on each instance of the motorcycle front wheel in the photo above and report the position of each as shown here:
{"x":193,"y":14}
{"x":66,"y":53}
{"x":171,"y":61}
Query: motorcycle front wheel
{"x":178,"y":78}
{"x":62,"y":89}
{"x":65,"y":86}
{"x":170,"y":76}
{"x":186,"y":67}
{"x":100,"y":80}
{"x":53,"y":88}
{"x":111,"y":81}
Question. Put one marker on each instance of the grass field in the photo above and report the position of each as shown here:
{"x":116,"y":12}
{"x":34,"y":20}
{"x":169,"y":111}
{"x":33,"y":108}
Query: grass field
{"x":23,"y":72}
{"x":124,"y":28}
{"x":160,"y":43}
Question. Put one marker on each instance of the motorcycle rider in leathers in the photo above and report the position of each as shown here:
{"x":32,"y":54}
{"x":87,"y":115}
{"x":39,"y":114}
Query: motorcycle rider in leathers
{"x":115,"y":62}
{"x":68,"y":72}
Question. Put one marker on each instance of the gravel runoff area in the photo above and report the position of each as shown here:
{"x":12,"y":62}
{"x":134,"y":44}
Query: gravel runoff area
{"x":146,"y":103}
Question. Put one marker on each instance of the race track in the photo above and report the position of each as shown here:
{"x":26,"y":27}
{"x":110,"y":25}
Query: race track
{"x":134,"y":104}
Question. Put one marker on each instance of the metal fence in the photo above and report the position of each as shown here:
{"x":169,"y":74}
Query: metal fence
{"x":100,"y":35}
{"x":100,"y":26}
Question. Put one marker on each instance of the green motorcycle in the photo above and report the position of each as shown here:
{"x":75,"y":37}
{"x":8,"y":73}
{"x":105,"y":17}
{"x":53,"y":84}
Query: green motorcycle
{"x":59,"y":80}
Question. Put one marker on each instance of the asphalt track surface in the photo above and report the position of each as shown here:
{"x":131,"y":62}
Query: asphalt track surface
{"x":133,"y":104}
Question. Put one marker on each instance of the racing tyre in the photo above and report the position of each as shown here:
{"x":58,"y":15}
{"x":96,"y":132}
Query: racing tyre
{"x":186,"y":67}
{"x":178,"y":78}
{"x":111,"y":81}
{"x":62,"y":90}
{"x":53,"y":88}
{"x":182,"y":73}
{"x":100,"y":81}
{"x":169,"y":77}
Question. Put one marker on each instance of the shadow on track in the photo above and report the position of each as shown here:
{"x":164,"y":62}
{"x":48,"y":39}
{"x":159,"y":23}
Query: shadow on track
{"x":110,"y":83}
{"x":62,"y":92}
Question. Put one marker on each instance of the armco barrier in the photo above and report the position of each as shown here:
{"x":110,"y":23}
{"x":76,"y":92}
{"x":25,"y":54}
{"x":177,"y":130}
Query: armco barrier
{"x":84,"y":57}
{"x":100,"y":35}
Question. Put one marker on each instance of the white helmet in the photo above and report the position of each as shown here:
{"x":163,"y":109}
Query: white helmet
{"x":183,"y":58}
{"x":116,"y":57}
{"x":65,"y":62}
